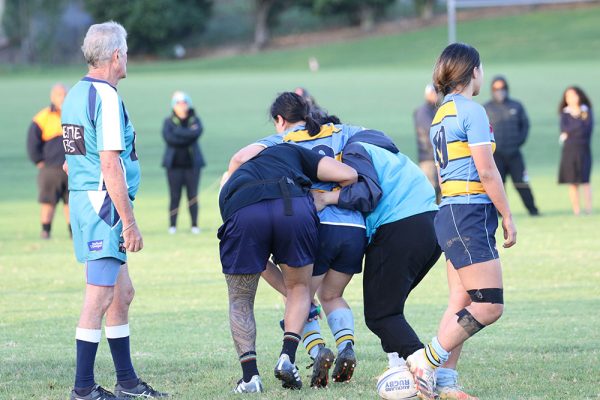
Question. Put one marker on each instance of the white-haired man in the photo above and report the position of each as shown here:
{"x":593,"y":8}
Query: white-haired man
{"x":104,"y":175}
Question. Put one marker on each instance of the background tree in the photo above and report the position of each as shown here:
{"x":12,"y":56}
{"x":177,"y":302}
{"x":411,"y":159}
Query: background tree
{"x":425,"y":8}
{"x":153,"y":25}
{"x":359,"y":12}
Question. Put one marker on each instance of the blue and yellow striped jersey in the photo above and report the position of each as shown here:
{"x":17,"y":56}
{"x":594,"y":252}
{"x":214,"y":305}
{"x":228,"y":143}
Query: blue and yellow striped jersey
{"x":329,"y":141}
{"x":458,"y":125}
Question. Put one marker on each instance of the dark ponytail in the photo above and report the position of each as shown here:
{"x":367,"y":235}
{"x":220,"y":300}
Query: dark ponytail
{"x":293,"y":108}
{"x":454,"y":68}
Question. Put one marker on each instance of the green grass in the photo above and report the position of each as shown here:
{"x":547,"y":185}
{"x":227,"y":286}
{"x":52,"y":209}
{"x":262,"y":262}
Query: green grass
{"x":545,"y":346}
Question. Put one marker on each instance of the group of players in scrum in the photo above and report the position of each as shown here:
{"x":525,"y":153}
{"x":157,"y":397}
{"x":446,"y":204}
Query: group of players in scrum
{"x":368,"y":199}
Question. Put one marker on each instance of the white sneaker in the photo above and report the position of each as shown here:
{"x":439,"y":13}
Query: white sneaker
{"x":172,"y":230}
{"x":254,"y":386}
{"x":423,"y":374}
{"x":195,"y":230}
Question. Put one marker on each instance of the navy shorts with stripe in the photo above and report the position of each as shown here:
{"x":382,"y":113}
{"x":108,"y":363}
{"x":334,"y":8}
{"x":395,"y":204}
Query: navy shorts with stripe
{"x":466,"y":233}
{"x":341,"y":248}
{"x":254,"y":232}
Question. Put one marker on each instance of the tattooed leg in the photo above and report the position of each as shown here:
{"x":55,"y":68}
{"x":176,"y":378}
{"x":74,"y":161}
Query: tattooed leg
{"x":242,"y":291}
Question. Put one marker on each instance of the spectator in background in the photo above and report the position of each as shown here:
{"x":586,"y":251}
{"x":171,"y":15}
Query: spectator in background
{"x":423,"y":117}
{"x":511,"y":127}
{"x":45,"y":148}
{"x":576,"y":126}
{"x":183,"y":158}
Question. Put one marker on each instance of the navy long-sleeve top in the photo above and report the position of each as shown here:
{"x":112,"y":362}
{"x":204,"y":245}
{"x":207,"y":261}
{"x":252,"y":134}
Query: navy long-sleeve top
{"x":579,"y":129}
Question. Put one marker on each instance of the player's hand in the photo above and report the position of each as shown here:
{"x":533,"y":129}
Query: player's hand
{"x":65,"y":168}
{"x":510,"y":232}
{"x":132,"y":238}
{"x":40,"y":165}
{"x":562,"y":138}
{"x":320,"y":199}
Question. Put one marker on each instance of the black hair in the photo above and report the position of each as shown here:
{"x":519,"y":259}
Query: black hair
{"x":324,"y":119}
{"x":583,"y":98}
{"x":454,"y":68}
{"x":293,"y":108}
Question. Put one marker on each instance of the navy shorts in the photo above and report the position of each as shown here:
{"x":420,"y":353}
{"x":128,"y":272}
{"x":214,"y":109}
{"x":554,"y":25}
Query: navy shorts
{"x":254,"y":232}
{"x":341,"y":248}
{"x":466,"y":233}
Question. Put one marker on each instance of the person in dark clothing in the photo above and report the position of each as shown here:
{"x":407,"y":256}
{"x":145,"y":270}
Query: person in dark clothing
{"x":45,"y":149}
{"x":423,"y":117}
{"x":267,"y":209}
{"x":511,"y":127}
{"x":576,"y":126}
{"x":183,"y":158}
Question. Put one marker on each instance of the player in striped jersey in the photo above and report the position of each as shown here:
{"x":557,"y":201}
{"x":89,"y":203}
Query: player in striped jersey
{"x":472,"y":197}
{"x":342,"y":237}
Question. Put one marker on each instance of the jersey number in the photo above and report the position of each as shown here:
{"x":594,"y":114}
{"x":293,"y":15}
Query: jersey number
{"x":441,"y":148}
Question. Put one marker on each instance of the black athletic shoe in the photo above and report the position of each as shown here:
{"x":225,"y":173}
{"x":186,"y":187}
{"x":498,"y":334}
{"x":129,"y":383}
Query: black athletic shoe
{"x":287,"y":373}
{"x":142,"y":390}
{"x":97,"y":393}
{"x":322,"y":363}
{"x":344,"y":365}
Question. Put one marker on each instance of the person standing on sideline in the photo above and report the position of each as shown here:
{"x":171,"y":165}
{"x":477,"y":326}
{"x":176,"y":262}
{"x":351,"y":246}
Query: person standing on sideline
{"x":423,"y":117}
{"x":45,"y":148}
{"x":183,"y":158}
{"x":576,"y":126}
{"x":511,"y":127}
{"x":104,"y":176}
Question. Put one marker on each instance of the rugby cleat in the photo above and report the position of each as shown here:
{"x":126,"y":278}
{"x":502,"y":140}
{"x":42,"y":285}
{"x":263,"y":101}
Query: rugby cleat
{"x":141,"y":390}
{"x":97,"y":393}
{"x":423,"y":374}
{"x":254,"y":386}
{"x":287,"y":373}
{"x":344,"y":364}
{"x":453,"y":392}
{"x":321,"y":365}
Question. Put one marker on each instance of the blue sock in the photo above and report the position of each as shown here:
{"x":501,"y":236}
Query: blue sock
{"x":118,"y":340}
{"x":87,"y":345}
{"x":435,"y":353}
{"x":446,"y":377}
{"x":312,"y":339}
{"x":341,"y":323}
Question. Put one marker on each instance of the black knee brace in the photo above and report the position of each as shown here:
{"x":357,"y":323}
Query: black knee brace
{"x":492,"y":295}
{"x":468,"y":322}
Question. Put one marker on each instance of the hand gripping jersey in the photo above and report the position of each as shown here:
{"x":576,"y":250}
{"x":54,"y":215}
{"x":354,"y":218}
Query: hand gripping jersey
{"x":459,"y":125}
{"x":329,"y":142}
{"x":94,"y":119}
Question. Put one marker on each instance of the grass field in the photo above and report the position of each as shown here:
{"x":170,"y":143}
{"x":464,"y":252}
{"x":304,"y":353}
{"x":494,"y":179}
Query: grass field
{"x":545,"y":347}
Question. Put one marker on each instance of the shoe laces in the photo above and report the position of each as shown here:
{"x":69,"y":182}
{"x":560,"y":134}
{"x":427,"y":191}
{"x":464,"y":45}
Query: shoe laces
{"x":104,"y":392}
{"x":148,"y":387}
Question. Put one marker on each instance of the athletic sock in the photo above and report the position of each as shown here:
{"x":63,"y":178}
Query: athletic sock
{"x":446,"y":377}
{"x":118,"y":340}
{"x":87,"y":345}
{"x":341,"y":323}
{"x":312,"y":339}
{"x":46,"y":227}
{"x":290,"y":345}
{"x":435,"y":353}
{"x":249,"y":366}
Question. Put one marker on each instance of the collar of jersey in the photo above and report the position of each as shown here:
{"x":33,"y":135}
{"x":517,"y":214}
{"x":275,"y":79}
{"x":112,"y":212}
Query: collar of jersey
{"x":89,"y":79}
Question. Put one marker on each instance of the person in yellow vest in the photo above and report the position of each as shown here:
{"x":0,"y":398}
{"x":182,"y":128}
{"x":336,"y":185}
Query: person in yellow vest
{"x":45,"y":148}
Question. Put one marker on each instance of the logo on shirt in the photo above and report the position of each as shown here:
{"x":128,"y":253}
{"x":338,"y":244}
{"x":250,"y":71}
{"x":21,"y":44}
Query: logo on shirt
{"x":95,"y":245}
{"x":73,"y":140}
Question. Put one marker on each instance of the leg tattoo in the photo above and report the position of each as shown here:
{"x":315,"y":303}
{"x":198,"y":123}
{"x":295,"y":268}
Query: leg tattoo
{"x":242,"y":291}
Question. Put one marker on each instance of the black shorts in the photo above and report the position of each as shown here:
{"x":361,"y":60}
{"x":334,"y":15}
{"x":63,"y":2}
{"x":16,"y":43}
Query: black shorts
{"x":254,"y":232}
{"x":53,"y":185}
{"x":341,"y":248}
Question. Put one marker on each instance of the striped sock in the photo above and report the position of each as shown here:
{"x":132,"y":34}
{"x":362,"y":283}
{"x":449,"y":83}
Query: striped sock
{"x":249,"y":366}
{"x":87,"y":345}
{"x":341,"y":323}
{"x":290,"y":345}
{"x":435,"y":353}
{"x":312,"y":339}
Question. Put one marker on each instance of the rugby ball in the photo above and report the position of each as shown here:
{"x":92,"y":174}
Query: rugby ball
{"x":396,"y":383}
